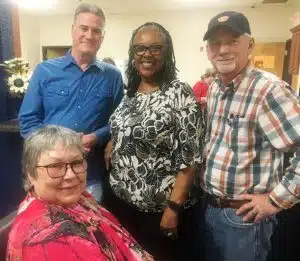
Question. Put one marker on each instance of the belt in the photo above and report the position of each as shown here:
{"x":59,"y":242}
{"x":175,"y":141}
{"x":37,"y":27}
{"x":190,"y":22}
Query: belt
{"x":218,"y":202}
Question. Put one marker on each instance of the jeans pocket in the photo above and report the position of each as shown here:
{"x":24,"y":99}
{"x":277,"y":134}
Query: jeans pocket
{"x":232,"y":219}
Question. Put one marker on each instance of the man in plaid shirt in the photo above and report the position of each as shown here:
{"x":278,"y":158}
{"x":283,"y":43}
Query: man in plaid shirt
{"x":253,"y":118}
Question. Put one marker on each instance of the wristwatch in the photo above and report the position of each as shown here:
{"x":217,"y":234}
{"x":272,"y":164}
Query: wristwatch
{"x":173,"y":205}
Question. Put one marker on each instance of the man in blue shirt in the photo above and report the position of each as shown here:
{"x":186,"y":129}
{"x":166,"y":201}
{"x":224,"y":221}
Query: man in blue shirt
{"x":78,"y":92}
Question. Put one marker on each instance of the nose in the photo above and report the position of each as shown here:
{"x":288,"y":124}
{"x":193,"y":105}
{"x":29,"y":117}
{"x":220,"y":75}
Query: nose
{"x":69,"y":173}
{"x":89,"y":34}
{"x":147,"y":53}
{"x":224,"y":48}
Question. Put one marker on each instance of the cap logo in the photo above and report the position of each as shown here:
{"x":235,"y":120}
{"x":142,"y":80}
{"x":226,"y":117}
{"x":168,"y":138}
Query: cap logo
{"x":223,"y":19}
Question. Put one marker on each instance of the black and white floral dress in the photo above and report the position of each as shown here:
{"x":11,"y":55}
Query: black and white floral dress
{"x":154,"y":136}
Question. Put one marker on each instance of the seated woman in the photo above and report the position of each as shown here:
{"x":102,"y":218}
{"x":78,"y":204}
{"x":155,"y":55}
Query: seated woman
{"x":58,"y":220}
{"x":156,"y":144}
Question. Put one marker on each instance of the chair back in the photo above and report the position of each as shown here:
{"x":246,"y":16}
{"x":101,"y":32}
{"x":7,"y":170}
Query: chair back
{"x":5,"y":226}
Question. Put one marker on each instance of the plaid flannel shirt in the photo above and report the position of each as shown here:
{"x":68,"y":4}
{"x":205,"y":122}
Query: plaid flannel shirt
{"x":250,"y":124}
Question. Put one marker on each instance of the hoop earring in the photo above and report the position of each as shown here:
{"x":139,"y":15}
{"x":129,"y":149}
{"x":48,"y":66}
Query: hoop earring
{"x":133,"y":63}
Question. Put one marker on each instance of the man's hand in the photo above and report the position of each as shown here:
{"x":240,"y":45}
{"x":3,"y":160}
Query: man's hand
{"x":107,"y":154}
{"x":89,"y":140}
{"x":258,"y":208}
{"x":169,"y":223}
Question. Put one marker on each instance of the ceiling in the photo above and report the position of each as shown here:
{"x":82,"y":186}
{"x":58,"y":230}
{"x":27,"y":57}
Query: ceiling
{"x":142,"y":6}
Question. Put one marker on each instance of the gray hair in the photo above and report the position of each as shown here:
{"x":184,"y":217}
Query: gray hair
{"x":89,"y":8}
{"x":45,"y":139}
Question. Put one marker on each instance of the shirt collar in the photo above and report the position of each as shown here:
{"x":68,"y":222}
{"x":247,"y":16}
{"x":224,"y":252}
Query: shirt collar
{"x":235,"y":83}
{"x":69,"y":59}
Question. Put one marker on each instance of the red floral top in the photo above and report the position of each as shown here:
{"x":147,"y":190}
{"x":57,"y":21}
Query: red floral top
{"x":85,"y":232}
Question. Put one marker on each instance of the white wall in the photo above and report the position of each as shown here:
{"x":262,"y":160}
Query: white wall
{"x":30,"y":38}
{"x":187,"y":29}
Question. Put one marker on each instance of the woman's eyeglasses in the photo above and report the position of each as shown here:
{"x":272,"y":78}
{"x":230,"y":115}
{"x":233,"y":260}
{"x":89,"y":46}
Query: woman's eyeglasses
{"x":142,"y":49}
{"x":59,"y":169}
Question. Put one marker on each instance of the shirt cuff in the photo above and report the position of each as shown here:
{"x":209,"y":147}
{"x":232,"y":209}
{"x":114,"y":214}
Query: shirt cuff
{"x":103,"y":135}
{"x":283,"y":197}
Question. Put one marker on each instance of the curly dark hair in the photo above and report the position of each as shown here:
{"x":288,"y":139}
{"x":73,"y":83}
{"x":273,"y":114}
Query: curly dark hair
{"x":169,"y":71}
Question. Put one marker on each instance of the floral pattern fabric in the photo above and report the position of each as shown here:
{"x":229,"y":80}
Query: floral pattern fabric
{"x":85,"y":232}
{"x":154,"y":136}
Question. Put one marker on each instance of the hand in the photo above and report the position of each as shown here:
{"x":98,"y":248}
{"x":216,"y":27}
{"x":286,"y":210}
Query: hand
{"x":89,"y":140}
{"x":258,"y":208}
{"x":169,"y":223}
{"x":108,"y":153}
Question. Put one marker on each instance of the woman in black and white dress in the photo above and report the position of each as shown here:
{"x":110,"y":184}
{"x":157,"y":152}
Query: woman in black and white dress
{"x":155,"y":149}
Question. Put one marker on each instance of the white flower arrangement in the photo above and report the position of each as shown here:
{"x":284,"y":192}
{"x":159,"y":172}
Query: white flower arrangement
{"x":18,"y":76}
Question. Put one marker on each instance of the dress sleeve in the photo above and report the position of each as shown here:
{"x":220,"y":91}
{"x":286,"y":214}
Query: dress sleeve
{"x":189,"y":128}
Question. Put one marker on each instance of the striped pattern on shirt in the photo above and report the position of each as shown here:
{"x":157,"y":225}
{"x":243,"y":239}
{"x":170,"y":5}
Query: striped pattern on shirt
{"x":251,"y":123}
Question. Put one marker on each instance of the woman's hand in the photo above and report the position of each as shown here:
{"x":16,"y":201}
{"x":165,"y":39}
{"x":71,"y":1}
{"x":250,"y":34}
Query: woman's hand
{"x":169,"y":223}
{"x":107,"y":154}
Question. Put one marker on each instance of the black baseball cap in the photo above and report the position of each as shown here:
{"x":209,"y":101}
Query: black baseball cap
{"x":236,"y":22}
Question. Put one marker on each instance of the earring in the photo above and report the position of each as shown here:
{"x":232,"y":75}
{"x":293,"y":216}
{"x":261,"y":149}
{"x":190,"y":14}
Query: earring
{"x":133,"y":63}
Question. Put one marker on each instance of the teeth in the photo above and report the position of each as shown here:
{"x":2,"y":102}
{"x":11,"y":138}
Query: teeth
{"x":147,"y":64}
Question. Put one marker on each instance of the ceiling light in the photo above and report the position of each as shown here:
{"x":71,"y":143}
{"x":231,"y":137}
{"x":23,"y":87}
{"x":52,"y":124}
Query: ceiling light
{"x":199,"y":1}
{"x":36,"y":4}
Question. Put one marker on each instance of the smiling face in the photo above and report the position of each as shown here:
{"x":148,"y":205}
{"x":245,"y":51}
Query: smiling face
{"x":229,"y":53}
{"x":66,"y":190}
{"x":87,"y":34}
{"x":149,"y":50}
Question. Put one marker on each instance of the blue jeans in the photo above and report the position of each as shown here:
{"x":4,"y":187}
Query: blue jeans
{"x":228,"y":238}
{"x":95,"y":188}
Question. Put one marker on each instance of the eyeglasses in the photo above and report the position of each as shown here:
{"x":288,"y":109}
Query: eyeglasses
{"x":59,"y":169}
{"x":142,"y":49}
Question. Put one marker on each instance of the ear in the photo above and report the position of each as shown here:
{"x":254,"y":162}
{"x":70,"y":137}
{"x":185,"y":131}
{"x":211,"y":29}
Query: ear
{"x":251,"y":46}
{"x":72,"y":29}
{"x":30,"y":179}
{"x":208,"y":52}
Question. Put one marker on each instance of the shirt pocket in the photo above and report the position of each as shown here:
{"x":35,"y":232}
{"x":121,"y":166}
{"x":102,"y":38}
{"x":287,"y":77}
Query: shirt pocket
{"x":57,"y":91}
{"x":56,"y":98}
{"x":243,"y":136}
{"x":100,"y":102}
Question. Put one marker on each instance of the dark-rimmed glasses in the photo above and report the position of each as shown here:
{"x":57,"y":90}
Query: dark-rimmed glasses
{"x":142,"y":49}
{"x":59,"y":169}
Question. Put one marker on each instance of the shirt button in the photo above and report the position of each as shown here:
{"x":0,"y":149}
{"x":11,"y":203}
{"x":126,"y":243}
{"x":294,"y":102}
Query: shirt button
{"x":78,"y":107}
{"x":75,"y":124}
{"x":62,"y":92}
{"x":80,"y":90}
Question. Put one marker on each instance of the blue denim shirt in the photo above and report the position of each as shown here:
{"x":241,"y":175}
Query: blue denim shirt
{"x":61,"y":93}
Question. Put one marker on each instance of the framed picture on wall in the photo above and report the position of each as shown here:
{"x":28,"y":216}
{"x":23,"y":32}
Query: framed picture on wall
{"x":50,"y":52}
